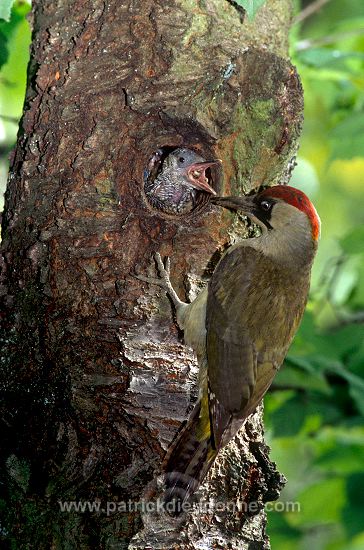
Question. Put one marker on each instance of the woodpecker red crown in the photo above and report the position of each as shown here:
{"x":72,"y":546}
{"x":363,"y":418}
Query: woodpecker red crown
{"x":296,"y":198}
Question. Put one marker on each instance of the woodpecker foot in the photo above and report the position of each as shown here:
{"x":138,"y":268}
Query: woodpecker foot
{"x":164,"y":281}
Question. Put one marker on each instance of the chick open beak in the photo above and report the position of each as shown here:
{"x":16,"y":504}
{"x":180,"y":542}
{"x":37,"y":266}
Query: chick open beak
{"x":196,"y":175}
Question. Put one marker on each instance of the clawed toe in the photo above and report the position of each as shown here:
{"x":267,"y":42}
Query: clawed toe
{"x":164,"y":280}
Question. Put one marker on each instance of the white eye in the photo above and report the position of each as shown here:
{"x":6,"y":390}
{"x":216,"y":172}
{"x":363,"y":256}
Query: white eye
{"x":266,"y":205}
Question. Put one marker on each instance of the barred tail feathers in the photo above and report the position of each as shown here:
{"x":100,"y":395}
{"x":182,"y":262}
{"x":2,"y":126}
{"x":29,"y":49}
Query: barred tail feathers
{"x":189,"y":460}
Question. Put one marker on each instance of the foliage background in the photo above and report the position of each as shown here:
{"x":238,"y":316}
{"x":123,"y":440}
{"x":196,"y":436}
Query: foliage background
{"x":315,"y":411}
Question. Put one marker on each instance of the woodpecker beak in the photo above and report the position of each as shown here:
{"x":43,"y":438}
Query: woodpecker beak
{"x":245,"y":205}
{"x":197,"y":177}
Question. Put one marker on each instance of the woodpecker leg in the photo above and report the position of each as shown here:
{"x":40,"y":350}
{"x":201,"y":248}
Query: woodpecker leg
{"x":164,"y":280}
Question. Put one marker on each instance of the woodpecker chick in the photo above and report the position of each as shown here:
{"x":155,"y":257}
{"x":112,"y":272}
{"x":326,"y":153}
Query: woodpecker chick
{"x":181,"y":177}
{"x":240,"y":327}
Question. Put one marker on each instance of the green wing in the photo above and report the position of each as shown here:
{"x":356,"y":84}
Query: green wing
{"x":243,"y":350}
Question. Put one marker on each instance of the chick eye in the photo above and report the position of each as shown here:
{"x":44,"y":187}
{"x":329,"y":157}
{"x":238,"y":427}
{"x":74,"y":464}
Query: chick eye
{"x":266,"y":205}
{"x":181,"y":159}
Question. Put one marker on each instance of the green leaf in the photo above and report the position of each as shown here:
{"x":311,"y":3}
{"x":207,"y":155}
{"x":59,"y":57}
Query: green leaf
{"x":356,"y":393}
{"x":5,"y":9}
{"x":251,"y":6}
{"x":348,"y":137}
{"x":13,"y":72}
{"x":288,"y":419}
{"x":345,"y":281}
{"x":357,"y":298}
{"x":324,"y":57}
{"x":321,"y":503}
{"x":4,"y":52}
{"x":285,"y":537}
{"x":356,"y":361}
{"x":301,"y":415}
{"x":292,"y":377}
{"x":356,"y":385}
{"x":353,"y":511}
{"x":341,"y":460}
{"x":311,"y":345}
{"x":353,"y":242}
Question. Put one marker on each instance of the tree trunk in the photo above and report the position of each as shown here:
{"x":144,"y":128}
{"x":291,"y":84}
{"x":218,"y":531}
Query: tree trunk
{"x":95,"y":377}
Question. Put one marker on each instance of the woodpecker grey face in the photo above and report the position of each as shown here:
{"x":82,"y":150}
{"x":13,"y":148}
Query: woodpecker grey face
{"x":283,"y":223}
{"x":288,"y":220}
{"x":262,"y":211}
{"x":283,"y":206}
{"x":276,"y":208}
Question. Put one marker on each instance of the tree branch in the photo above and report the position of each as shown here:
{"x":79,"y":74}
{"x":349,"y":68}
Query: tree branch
{"x":329,"y":39}
{"x":309,"y":10}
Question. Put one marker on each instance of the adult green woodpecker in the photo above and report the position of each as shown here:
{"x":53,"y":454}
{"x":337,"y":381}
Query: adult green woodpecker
{"x":241,"y":326}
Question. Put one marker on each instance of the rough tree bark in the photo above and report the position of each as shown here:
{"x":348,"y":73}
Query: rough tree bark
{"x":95,"y":378}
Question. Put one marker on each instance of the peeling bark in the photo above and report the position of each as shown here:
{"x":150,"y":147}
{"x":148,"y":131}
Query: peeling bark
{"x":95,"y":379}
